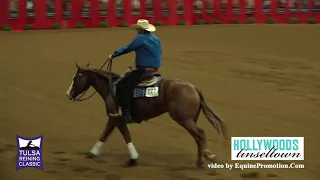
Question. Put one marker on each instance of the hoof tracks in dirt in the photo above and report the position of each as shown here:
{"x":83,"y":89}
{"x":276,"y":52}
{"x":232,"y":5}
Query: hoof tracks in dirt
{"x":256,"y":175}
{"x":2,"y":150}
{"x":182,"y":177}
{"x":51,"y":171}
{"x":100,"y":161}
{"x":8,"y":147}
{"x":98,"y":171}
{"x":60,"y":163}
{"x":58,"y":152}
{"x":112,"y":177}
{"x":250,"y":175}
{"x":62,"y":159}
{"x":272,"y":175}
{"x":81,"y":168}
{"x":212,"y":173}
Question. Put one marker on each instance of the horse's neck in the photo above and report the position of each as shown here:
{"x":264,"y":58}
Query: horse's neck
{"x":101,"y":85}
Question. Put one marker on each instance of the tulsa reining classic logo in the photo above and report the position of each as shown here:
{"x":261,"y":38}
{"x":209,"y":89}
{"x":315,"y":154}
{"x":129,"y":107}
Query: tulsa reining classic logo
{"x":267,"y":148}
{"x":29,"y":152}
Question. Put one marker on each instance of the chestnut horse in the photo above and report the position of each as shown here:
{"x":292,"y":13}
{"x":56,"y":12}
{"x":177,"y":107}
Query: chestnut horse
{"x":151,"y":98}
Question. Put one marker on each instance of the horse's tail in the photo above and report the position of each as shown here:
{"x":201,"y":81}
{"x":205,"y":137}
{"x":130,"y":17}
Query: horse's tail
{"x":217,"y":122}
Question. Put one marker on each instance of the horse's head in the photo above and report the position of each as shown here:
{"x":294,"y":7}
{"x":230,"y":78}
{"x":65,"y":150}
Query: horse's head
{"x":80,"y":83}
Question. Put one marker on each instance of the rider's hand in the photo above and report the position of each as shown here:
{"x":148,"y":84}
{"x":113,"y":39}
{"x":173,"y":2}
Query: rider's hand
{"x":110,"y":57}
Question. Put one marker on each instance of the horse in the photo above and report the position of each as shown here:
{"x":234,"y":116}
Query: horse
{"x":152,"y":97}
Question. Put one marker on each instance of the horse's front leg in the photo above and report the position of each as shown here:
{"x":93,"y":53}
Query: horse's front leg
{"x":123,"y":128}
{"x":96,"y":149}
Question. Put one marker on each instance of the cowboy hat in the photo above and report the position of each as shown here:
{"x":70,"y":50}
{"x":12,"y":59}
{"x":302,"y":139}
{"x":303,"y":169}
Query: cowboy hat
{"x":144,"y":24}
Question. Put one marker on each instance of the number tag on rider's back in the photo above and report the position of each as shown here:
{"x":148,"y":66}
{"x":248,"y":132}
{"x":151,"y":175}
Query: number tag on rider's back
{"x":152,"y":91}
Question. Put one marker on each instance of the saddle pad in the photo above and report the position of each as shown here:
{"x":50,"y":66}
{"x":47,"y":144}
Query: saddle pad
{"x":142,"y":92}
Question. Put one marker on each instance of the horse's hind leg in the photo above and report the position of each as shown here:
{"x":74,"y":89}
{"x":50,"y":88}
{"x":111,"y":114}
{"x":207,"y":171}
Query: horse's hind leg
{"x":206,"y":152}
{"x":198,"y":135}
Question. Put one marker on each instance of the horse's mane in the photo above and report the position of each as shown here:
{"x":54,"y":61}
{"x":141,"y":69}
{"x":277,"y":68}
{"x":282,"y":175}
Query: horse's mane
{"x":102,"y":73}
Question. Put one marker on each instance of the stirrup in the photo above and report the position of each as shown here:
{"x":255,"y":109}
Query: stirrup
{"x":116,"y":114}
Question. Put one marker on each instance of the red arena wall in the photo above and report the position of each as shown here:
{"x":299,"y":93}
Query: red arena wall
{"x":68,"y":14}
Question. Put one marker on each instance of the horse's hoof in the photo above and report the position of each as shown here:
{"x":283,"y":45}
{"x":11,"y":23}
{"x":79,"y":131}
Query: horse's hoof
{"x":212,"y":158}
{"x":91,"y":155}
{"x":132,"y":162}
{"x":200,"y":164}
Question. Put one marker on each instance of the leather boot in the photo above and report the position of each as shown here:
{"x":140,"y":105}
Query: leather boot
{"x":126,"y":105}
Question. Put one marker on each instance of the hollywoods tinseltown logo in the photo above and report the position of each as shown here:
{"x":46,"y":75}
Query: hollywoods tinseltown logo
{"x":29,"y":152}
{"x":267,"y":148}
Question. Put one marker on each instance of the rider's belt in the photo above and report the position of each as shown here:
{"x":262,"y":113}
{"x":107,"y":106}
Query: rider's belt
{"x":147,"y":68}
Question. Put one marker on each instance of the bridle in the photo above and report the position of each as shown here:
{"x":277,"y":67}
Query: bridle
{"x":109,"y":66}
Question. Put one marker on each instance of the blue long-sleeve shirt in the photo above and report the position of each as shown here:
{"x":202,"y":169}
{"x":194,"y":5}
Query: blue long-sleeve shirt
{"x":148,"y":50}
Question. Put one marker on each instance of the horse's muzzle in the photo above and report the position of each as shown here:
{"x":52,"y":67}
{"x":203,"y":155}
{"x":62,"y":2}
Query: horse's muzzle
{"x":70,"y":96}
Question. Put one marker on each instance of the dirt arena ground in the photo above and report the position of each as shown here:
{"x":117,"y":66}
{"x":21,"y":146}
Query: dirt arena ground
{"x":263,"y":80}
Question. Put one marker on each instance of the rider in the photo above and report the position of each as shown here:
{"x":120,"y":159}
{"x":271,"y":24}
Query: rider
{"x":148,"y":51}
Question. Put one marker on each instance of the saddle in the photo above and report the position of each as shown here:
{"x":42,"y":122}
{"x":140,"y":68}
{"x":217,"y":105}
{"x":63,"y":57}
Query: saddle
{"x":150,"y":78}
{"x":150,"y":81}
{"x":149,"y":85}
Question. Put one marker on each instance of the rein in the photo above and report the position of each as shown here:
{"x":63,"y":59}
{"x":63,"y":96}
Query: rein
{"x":109,"y":66}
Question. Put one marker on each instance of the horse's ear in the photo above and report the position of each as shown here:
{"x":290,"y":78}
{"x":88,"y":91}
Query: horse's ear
{"x":77,"y":65}
{"x":88,"y":65}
